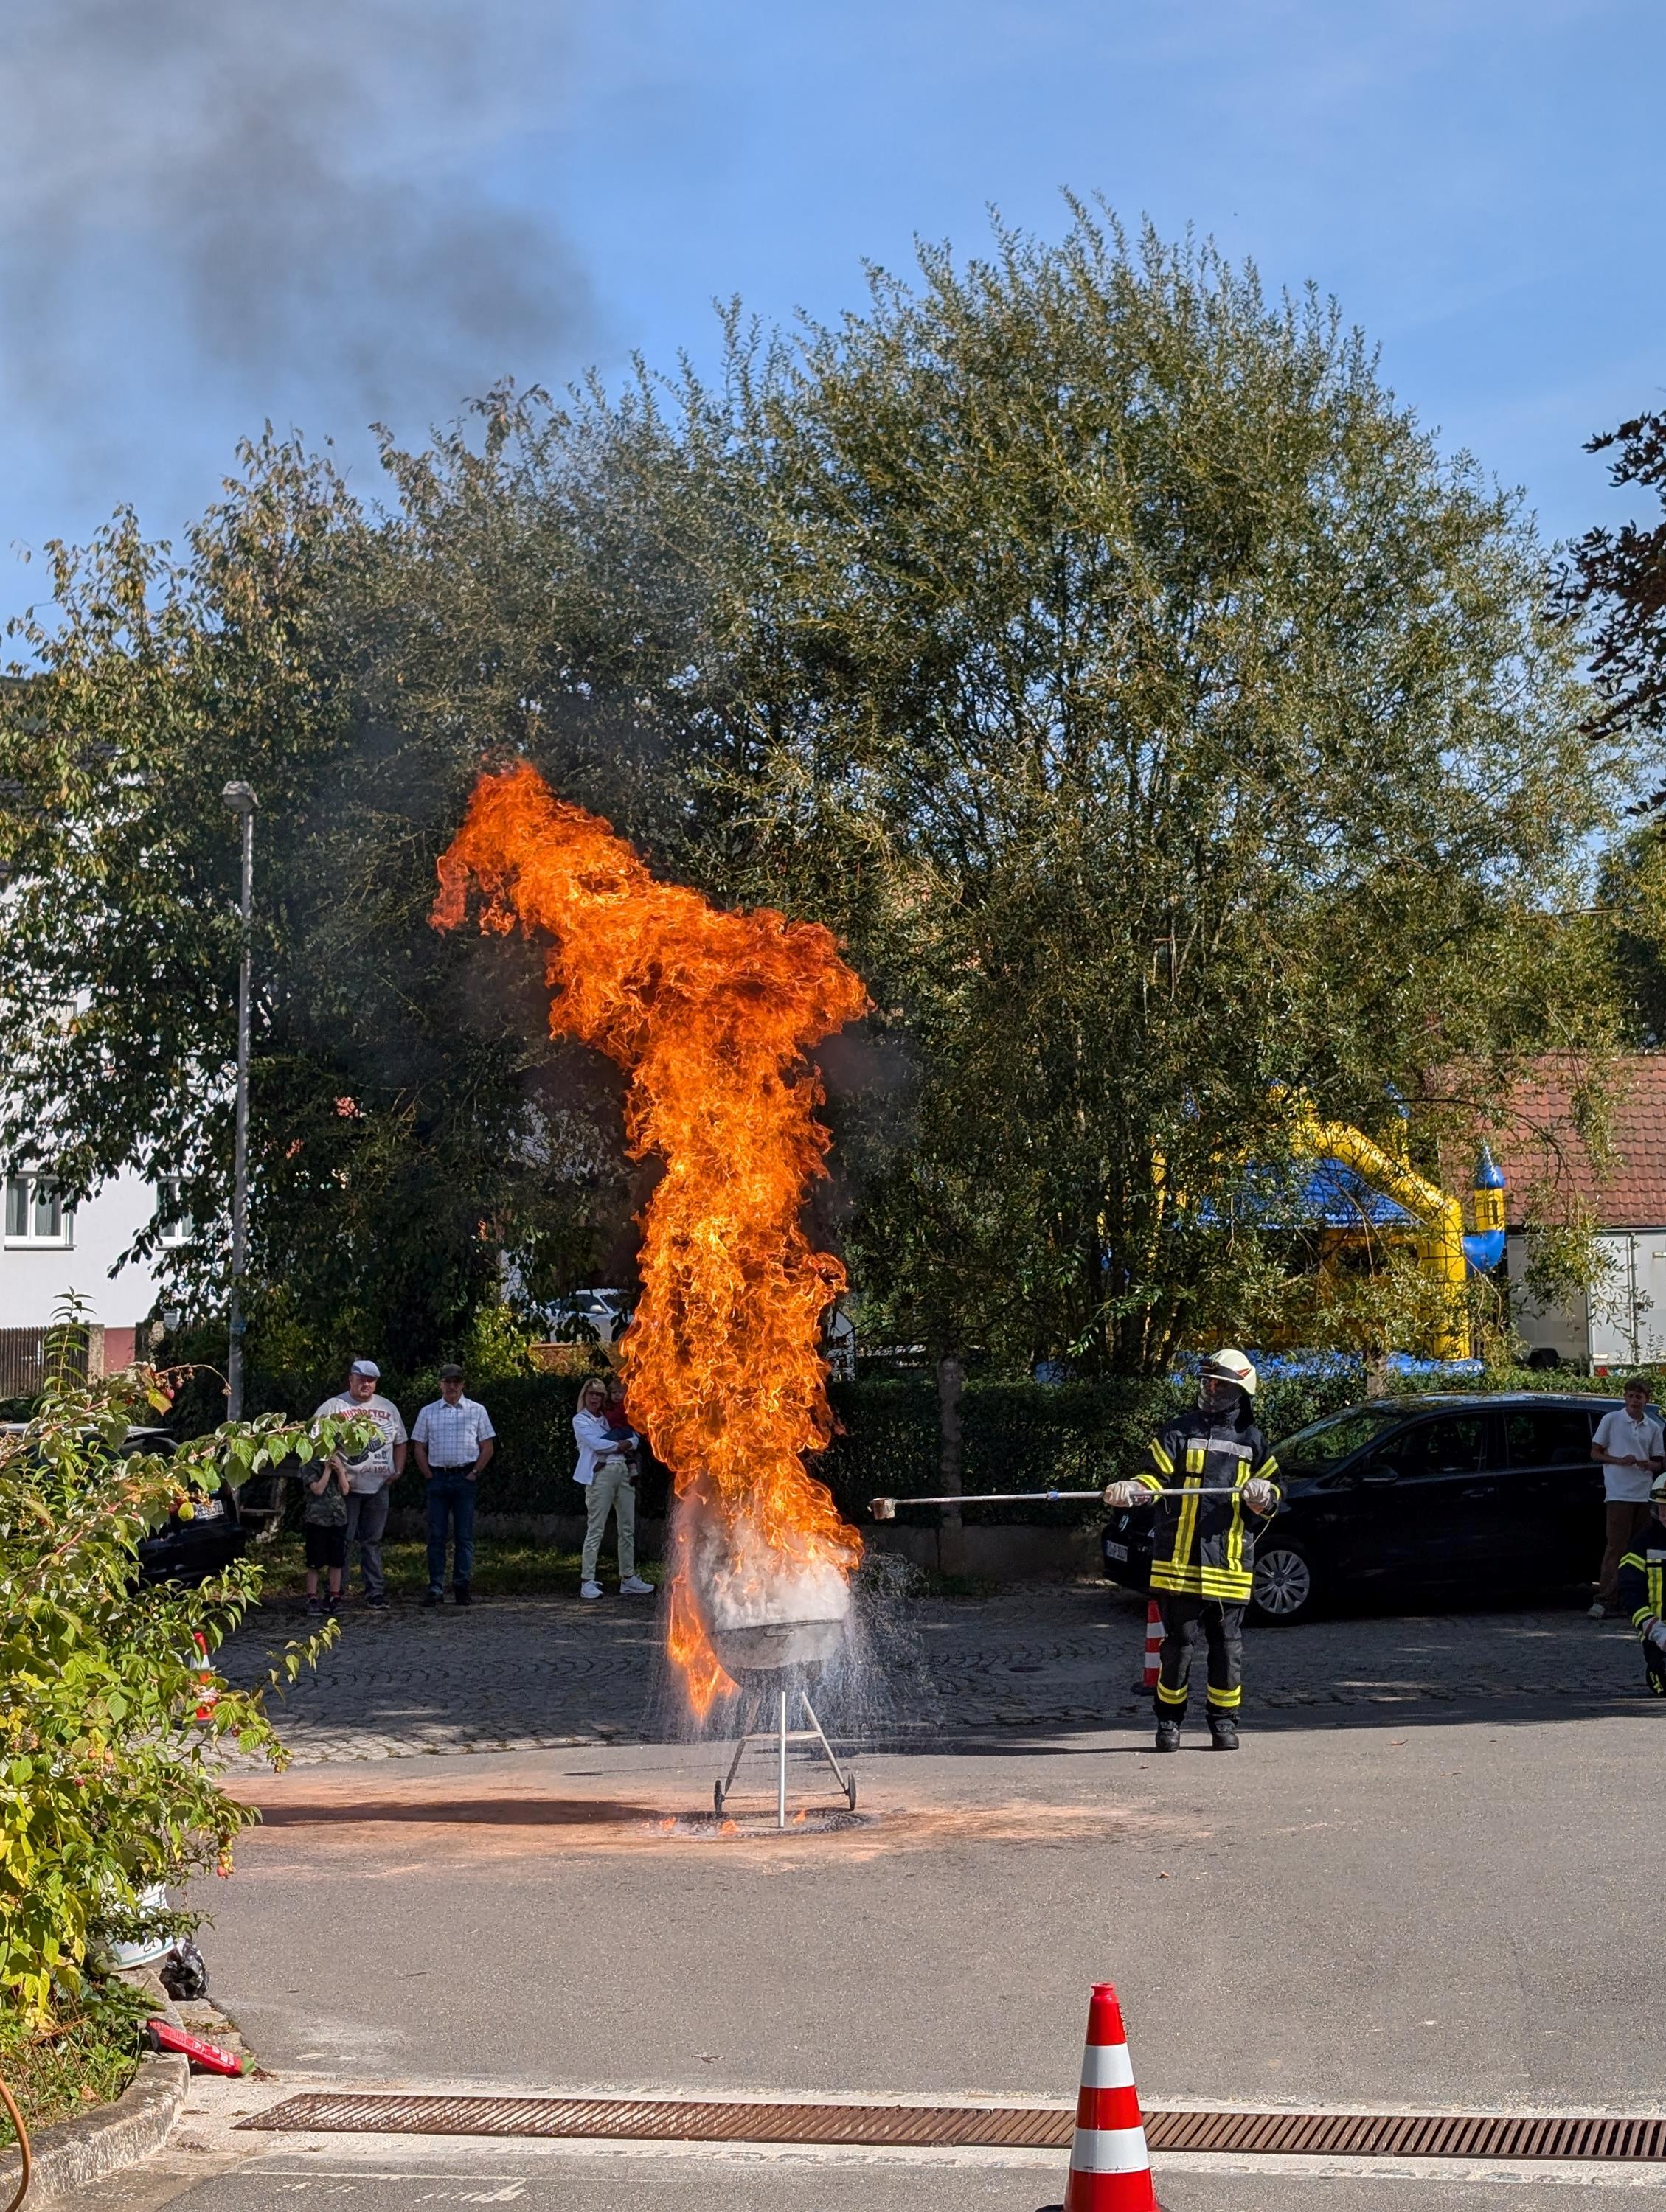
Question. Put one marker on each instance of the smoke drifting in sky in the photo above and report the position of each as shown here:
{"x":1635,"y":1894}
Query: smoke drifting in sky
{"x":284,"y":210}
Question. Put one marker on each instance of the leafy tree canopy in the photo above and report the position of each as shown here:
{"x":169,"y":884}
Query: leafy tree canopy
{"x":410,"y":1119}
{"x":1094,"y":642}
{"x":1172,"y":732}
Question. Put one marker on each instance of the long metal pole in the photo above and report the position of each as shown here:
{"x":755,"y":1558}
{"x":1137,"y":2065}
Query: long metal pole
{"x":240,"y":1190}
{"x":884,"y":1508}
{"x":780,"y":1772}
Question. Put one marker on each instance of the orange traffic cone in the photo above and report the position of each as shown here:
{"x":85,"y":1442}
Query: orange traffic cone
{"x":1109,"y":2165}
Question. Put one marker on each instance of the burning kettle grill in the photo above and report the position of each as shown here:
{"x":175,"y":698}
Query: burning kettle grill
{"x":774,"y":1663}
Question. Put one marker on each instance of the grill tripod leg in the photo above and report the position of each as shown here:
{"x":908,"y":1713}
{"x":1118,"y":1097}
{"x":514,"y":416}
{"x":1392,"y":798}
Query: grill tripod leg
{"x":846,"y":1782}
{"x":721,"y":1789}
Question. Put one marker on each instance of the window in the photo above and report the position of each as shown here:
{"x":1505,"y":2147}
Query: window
{"x":1548,"y":1436}
{"x":174,"y":1226}
{"x":1437,"y":1447}
{"x":35,"y":1213}
{"x":1336,"y":1436}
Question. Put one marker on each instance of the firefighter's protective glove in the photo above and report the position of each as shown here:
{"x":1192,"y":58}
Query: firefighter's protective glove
{"x":1655,"y":1633}
{"x":1125,"y":1493}
{"x":1260,"y":1497}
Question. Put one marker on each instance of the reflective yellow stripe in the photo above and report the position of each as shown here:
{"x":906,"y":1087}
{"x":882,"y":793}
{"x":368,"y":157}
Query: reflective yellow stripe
{"x":1185,"y":1581}
{"x":1161,"y":1457}
{"x":1657,"y":1598}
{"x":1165,"y":1696}
{"x":1195,"y":1453}
{"x":1223,"y":1700}
{"x":1185,"y":1531}
{"x":1235,"y":1533}
{"x":1229,"y":1589}
{"x":1641,"y":1618}
{"x":1149,"y":1481}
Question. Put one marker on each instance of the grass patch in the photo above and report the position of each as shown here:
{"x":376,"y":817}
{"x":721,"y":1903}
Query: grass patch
{"x":504,"y":1567}
{"x":86,"y":2058}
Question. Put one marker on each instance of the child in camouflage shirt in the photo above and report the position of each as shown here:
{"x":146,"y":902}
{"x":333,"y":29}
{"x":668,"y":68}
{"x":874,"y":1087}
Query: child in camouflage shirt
{"x":324,"y":1528}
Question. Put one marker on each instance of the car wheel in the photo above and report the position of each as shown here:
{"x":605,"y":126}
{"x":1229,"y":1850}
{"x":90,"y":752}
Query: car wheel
{"x":1283,"y":1588}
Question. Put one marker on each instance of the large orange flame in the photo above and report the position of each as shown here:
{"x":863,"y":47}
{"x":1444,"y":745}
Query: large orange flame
{"x":712,"y":1014}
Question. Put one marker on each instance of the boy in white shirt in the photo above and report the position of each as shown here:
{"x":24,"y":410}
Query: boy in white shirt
{"x":1630,"y":1447}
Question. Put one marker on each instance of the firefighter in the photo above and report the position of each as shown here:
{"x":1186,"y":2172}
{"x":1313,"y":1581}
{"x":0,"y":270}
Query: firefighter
{"x":1203,"y":1550}
{"x":1643,"y":1588}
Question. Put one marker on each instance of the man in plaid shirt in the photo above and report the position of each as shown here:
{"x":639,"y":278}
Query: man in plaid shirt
{"x":453,"y":1441}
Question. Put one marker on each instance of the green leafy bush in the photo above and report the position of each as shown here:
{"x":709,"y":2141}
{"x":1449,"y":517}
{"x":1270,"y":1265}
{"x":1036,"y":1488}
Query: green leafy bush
{"x":114,"y":1724}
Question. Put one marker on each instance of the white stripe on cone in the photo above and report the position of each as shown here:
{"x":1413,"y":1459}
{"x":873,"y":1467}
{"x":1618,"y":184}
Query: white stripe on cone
{"x":1110,"y":2150}
{"x":1107,"y":2066}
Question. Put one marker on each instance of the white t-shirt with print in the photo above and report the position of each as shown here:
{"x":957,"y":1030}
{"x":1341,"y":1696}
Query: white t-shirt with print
{"x":1644,"y":1439}
{"x":375,"y":1470}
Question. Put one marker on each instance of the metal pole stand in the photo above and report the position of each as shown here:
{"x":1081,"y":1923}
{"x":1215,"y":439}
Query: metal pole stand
{"x":775,"y":1739}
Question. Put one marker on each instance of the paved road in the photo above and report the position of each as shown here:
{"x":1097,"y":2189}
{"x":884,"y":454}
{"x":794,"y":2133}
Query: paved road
{"x":1421,"y":1915}
{"x":525,"y":1674}
{"x":372,"y":2181}
{"x":1423,"y":1883}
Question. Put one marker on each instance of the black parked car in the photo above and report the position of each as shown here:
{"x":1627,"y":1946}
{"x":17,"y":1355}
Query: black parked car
{"x":188,"y":1551}
{"x":1483,"y":1496}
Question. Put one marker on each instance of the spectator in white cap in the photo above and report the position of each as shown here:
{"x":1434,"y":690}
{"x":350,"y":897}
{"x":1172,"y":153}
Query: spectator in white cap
{"x":452,"y":1439}
{"x":370,"y":1473}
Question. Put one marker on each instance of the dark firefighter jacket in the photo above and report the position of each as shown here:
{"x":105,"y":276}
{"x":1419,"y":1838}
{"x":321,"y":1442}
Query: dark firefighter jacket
{"x":1206,"y":1546}
{"x":1642,"y":1590}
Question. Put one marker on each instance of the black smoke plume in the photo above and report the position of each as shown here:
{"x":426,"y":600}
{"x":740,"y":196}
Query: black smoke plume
{"x":274,"y":206}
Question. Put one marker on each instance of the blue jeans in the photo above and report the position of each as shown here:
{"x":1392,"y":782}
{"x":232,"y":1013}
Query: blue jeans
{"x":450,"y":1500}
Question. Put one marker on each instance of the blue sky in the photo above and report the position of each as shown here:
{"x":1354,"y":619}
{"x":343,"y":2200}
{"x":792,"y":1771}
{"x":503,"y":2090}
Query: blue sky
{"x":373,"y":206}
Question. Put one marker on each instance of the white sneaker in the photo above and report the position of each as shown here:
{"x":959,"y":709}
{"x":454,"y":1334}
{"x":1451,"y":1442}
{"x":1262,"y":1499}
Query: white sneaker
{"x":590,"y":1589}
{"x":1598,"y":1612}
{"x":634,"y":1586}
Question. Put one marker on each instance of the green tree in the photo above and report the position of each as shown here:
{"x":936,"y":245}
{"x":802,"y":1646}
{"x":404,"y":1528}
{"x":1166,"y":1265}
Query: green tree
{"x":1170,"y":731}
{"x":412,"y":1122}
{"x":1618,"y":576}
{"x":1093,"y":641}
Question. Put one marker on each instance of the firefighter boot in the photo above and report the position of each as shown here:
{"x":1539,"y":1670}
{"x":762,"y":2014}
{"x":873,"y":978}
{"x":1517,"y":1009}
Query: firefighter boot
{"x":1223,"y":1732}
{"x":1168,"y":1734}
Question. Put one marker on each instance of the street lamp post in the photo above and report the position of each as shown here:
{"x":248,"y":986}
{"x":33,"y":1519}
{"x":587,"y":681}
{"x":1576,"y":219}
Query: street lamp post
{"x":239,"y":797}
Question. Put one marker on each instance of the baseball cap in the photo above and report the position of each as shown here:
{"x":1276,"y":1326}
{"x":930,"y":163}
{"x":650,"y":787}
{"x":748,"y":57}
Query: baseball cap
{"x":366,"y":1367}
{"x":450,"y":1373}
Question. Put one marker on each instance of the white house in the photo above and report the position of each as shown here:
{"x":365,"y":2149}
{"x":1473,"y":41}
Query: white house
{"x":1622,"y":1321}
{"x":49,"y":1249}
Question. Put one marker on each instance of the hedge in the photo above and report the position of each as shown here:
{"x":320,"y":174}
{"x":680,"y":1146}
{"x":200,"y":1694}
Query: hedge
{"x":1017,"y":1435}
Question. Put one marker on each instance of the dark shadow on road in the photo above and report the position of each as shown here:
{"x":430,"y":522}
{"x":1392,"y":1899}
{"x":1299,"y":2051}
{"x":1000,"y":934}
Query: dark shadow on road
{"x":1057,"y":1739}
{"x":468,"y":1811}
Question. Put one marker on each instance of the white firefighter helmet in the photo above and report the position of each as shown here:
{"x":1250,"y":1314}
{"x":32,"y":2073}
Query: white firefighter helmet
{"x":1230,"y":1365}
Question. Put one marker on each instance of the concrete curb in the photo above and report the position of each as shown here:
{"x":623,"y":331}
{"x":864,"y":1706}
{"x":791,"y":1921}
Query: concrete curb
{"x":76,"y":2152}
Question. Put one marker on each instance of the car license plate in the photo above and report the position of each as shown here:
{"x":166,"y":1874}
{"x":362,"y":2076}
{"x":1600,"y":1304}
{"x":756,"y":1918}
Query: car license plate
{"x":1116,"y":1550}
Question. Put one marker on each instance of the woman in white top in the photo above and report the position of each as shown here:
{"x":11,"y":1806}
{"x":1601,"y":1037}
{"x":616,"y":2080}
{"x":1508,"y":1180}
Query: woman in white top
{"x":1632,"y":1447}
{"x":607,"y":1469}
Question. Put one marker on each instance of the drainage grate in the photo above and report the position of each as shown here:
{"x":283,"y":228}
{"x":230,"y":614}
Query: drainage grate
{"x":652,"y":2119}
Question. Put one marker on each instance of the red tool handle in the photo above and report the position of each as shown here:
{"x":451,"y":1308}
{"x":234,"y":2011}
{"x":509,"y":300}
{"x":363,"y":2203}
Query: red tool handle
{"x":210,"y":2056}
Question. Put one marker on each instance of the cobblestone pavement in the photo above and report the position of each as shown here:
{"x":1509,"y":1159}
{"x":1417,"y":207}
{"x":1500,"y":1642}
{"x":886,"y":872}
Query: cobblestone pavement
{"x":524,"y":1674}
